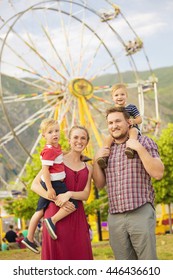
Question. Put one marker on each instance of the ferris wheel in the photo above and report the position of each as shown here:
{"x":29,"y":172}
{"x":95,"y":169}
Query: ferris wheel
{"x":57,"y":56}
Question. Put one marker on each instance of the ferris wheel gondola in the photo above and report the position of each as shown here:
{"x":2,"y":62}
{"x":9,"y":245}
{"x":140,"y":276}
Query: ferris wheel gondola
{"x":57,"y":51}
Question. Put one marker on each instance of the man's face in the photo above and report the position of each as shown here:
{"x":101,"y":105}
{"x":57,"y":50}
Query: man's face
{"x":118,"y":126}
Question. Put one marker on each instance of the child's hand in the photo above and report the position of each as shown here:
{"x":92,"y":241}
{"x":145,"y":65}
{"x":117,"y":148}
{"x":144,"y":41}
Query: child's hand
{"x":51,"y":193}
{"x":131,"y":122}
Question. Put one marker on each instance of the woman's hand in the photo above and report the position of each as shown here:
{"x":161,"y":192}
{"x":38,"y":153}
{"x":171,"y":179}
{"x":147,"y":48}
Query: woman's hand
{"x":68,"y":206}
{"x":62,"y":198}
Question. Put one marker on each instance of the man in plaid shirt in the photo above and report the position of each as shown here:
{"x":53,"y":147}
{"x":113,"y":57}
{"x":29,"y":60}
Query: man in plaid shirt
{"x":131,"y":216}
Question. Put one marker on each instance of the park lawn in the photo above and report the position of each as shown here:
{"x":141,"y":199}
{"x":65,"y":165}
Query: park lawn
{"x":101,"y":251}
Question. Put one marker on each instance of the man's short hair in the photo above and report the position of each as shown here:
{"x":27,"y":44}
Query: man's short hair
{"x":118,"y":109}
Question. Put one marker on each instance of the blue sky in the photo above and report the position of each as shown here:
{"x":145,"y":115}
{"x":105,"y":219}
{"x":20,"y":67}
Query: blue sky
{"x":151,"y":21}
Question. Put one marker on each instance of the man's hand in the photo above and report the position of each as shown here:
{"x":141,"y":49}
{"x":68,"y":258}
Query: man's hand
{"x":102,"y":152}
{"x":133,"y":144}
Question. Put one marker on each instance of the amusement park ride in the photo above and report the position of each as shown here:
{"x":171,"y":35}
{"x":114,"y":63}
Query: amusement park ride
{"x":63,"y":50}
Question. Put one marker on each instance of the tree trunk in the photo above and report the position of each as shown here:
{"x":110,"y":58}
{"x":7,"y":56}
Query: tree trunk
{"x":170,"y":217}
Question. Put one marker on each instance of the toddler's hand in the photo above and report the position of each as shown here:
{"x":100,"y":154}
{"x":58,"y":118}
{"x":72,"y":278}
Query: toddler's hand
{"x":51,"y":193}
{"x":131,"y":122}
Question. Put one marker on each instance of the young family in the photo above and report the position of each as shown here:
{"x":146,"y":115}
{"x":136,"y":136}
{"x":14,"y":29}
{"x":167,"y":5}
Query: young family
{"x":125,"y":165}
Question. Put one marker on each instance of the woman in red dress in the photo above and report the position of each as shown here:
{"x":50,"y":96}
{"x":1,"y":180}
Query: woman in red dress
{"x":73,"y":239}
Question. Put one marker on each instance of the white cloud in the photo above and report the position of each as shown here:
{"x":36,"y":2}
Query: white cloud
{"x":148,"y":21}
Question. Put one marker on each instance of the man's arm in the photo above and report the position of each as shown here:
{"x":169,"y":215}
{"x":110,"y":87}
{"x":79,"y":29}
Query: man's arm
{"x":98,"y":174}
{"x":153,"y":165}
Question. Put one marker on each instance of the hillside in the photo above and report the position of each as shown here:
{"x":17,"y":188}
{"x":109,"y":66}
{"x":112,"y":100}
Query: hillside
{"x":12,"y":87}
{"x":165,"y":91}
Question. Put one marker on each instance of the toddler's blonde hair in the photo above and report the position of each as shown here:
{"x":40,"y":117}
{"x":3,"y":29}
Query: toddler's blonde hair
{"x":117,"y":86}
{"x":46,"y":123}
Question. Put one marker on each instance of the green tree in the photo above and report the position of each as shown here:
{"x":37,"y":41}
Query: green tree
{"x":99,"y":204}
{"x":164,"y":187}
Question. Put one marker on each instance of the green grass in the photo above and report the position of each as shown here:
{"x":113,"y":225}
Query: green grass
{"x":101,"y":251}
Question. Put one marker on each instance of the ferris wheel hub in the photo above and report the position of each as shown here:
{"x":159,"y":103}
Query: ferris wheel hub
{"x":81,"y":87}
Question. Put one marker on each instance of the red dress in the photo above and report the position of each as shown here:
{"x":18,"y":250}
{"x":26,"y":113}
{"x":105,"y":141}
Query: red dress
{"x":73,"y":242}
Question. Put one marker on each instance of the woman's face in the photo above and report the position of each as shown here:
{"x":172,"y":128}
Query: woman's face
{"x":78,"y":139}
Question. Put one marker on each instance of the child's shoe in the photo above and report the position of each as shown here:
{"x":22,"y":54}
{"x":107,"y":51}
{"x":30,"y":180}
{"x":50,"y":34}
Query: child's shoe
{"x":30,"y":245}
{"x":129,"y":153}
{"x":102,"y":162}
{"x":50,"y":227}
{"x":85,"y":158}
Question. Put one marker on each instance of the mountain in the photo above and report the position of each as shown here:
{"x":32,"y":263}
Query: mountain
{"x":12,"y":86}
{"x":164,"y":87}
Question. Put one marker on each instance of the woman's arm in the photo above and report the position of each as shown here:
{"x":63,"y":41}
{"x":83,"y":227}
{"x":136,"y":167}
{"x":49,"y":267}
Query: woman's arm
{"x":80,"y":195}
{"x":46,"y":175}
{"x":37,"y":187}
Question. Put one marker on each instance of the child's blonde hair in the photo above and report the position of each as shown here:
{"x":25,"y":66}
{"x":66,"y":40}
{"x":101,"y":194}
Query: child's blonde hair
{"x":117,"y":86}
{"x":47,"y":123}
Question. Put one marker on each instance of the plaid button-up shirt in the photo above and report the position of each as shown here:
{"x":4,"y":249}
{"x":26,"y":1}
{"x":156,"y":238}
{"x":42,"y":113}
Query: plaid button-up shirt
{"x":128,"y":184}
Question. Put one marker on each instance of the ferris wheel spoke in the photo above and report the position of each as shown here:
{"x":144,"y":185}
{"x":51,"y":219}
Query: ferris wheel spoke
{"x":32,"y":96}
{"x":66,"y":36}
{"x":26,"y":124}
{"x":103,"y":69}
{"x":46,"y":32}
{"x":10,"y":156}
{"x":65,"y":107}
{"x":95,"y":107}
{"x":6,"y":184}
{"x":74,"y":110}
{"x":102,"y":99}
{"x":55,"y":50}
{"x":30,"y":39}
{"x":43,"y":59}
{"x":47,"y":79}
{"x":22,"y":98}
{"x":91,"y":61}
{"x":20,"y":57}
{"x":134,"y":67}
{"x":90,"y":119}
{"x":83,"y":46}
